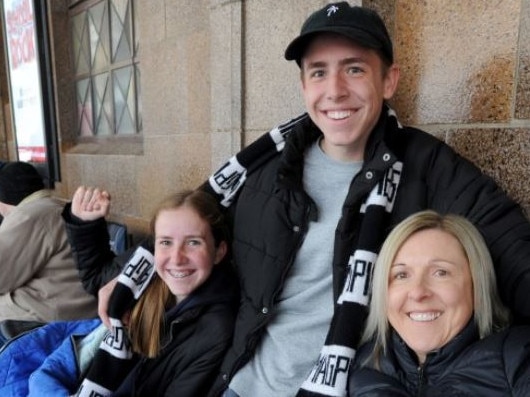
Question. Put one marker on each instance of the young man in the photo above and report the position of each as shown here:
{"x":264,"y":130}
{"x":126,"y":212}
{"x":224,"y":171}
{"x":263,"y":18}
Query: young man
{"x":39,"y":279}
{"x":313,"y":200}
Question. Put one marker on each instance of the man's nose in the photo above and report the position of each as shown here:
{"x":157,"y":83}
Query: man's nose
{"x":336,"y":88}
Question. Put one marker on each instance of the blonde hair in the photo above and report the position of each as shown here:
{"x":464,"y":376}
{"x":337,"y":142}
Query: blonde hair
{"x":489,"y":312}
{"x":146,"y":325}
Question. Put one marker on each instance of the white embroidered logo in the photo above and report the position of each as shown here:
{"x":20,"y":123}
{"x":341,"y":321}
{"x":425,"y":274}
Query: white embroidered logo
{"x":332,"y":10}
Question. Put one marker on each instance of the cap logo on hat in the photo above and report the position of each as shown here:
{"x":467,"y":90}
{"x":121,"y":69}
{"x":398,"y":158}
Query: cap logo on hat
{"x":332,"y":10}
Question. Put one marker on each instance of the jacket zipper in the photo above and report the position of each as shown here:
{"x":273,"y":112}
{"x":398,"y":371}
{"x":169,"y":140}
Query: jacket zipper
{"x":237,"y":362}
{"x":421,"y":379}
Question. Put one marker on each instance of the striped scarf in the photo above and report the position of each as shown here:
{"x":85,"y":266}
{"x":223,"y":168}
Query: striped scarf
{"x":115,"y":359}
{"x":329,"y":375}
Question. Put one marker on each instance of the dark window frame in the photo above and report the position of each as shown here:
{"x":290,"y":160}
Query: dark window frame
{"x":49,"y":167}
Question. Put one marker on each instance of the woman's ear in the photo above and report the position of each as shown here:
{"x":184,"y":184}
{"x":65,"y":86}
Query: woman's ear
{"x":220,"y":252}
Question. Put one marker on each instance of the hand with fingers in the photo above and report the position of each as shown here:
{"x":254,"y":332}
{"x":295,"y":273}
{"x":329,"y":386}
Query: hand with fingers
{"x":90,"y":203}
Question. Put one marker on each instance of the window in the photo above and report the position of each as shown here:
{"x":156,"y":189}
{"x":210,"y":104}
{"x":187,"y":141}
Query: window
{"x":106,"y":69}
{"x":24,"y":27}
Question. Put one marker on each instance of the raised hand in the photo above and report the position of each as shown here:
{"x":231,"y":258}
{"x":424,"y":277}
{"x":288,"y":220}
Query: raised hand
{"x":90,"y":203}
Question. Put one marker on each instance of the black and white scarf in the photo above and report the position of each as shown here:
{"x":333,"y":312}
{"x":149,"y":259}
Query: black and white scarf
{"x":329,"y":375}
{"x":115,"y":359}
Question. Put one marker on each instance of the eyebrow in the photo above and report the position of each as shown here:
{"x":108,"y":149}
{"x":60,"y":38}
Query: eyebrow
{"x":342,"y":62}
{"x":163,"y":237}
{"x":433,"y":262}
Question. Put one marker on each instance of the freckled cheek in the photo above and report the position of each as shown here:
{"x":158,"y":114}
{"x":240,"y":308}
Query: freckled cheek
{"x":310,"y":100}
{"x":205,"y":261}
{"x":160,"y":260}
{"x":371,"y":93}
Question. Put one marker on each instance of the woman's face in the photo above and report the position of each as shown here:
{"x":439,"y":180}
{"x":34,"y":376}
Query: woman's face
{"x":185,"y":251}
{"x":430,"y":291}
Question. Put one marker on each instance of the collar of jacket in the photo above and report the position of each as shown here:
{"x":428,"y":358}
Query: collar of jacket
{"x":220,"y":288}
{"x":36,"y":195}
{"x":377,"y":158}
{"x":437,"y":361}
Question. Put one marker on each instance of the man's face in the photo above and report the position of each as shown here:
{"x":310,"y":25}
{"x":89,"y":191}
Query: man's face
{"x":344,"y":86}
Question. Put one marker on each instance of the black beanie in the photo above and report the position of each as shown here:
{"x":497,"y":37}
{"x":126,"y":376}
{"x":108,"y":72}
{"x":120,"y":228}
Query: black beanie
{"x":17,"y":181}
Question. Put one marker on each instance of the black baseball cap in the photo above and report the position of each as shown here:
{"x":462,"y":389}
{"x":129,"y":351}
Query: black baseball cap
{"x":360,"y":24}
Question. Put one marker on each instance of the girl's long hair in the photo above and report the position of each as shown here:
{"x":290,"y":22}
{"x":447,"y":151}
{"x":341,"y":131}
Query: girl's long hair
{"x":146,"y":326}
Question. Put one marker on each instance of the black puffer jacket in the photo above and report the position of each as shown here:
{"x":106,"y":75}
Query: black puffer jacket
{"x":190,"y":360}
{"x":272,"y":213}
{"x":96,"y":263}
{"x":496,"y":366}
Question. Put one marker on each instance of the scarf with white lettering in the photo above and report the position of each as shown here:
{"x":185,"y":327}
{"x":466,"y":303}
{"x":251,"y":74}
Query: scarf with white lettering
{"x":329,"y":375}
{"x":115,"y":359}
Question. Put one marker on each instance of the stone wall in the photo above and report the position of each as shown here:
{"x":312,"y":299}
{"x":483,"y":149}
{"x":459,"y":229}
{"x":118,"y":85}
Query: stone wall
{"x":466,"y":78}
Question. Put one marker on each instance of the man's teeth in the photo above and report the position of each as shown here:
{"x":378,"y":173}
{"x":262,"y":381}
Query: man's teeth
{"x":424,"y":316}
{"x":339,"y":114}
{"x":177,"y":274}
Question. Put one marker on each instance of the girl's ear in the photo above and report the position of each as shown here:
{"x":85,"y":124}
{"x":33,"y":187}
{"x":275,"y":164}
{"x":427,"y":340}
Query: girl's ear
{"x":220,"y":252}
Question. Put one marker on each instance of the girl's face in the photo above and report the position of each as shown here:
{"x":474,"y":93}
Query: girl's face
{"x":430,"y":291}
{"x":185,"y":251}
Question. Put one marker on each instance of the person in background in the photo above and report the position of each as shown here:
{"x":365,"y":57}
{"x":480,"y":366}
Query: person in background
{"x":311,"y":203}
{"x":39,"y":282}
{"x":436,"y":325}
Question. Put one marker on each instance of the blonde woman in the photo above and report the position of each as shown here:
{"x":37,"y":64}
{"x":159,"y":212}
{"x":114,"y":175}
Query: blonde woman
{"x":435,"y":326}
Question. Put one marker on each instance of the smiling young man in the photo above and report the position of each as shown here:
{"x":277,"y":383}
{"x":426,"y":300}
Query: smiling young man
{"x":344,"y":85}
{"x":313,"y":200}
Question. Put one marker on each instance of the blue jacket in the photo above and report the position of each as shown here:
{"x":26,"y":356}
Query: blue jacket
{"x":31,"y":352}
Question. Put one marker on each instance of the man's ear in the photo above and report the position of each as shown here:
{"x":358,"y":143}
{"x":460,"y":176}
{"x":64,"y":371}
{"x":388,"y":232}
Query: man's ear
{"x":391,"y":80}
{"x":220,"y":252}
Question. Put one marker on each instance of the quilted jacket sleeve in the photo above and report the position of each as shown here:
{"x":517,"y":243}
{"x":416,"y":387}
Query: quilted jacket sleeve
{"x":58,"y":375}
{"x":96,"y":263}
